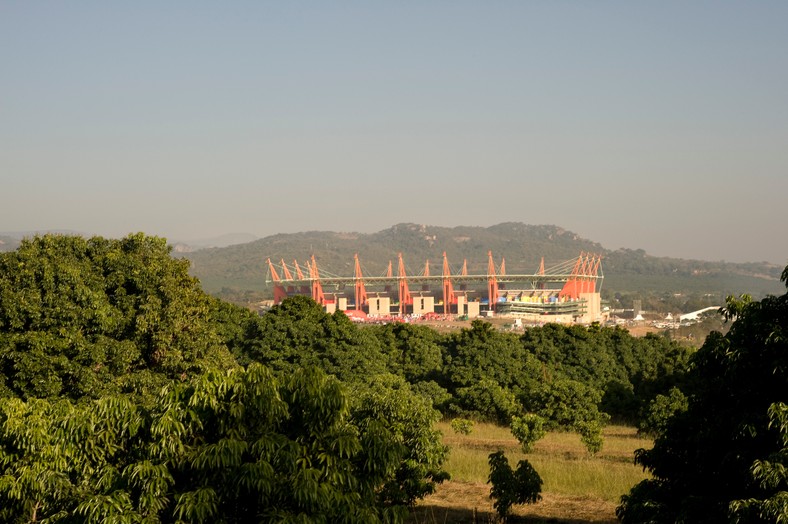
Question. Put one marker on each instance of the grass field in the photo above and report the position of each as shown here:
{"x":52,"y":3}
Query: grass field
{"x":578,"y":487}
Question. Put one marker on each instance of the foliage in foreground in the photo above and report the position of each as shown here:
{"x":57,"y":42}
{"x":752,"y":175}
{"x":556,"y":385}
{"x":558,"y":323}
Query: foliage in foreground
{"x":724,"y":457}
{"x":388,"y":405}
{"x":771,"y":474}
{"x":236,"y":446}
{"x":521,"y":486}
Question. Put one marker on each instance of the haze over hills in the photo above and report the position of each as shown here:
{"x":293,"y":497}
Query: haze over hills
{"x":9,"y":240}
{"x":228,"y":239}
{"x":243,"y":266}
{"x":237,"y":263}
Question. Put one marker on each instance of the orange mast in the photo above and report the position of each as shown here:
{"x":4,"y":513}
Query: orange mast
{"x":492,"y":282}
{"x":389,"y":274}
{"x":317,"y":287}
{"x":425,"y":286}
{"x":361,"y":291}
{"x":448,"y":289}
{"x":464,"y":273}
{"x":299,"y":274}
{"x":583,"y":276}
{"x":280,"y":293}
{"x":404,"y":293}
{"x":288,"y":275}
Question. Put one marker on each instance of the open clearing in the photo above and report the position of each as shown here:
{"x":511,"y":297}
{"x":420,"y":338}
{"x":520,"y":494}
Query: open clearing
{"x":578,"y":487}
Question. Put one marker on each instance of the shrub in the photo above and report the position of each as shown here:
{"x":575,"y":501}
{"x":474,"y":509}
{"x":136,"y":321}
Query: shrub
{"x":527,"y":430}
{"x":463,"y":426}
{"x":590,"y":435}
{"x":661,"y":409}
{"x":522,"y":486}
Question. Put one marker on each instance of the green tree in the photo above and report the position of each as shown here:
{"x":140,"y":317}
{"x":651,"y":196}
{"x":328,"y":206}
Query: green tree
{"x":707,"y":457}
{"x":522,"y":486}
{"x":771,"y":473}
{"x":298,"y":333}
{"x":483,"y":353}
{"x":35,"y":470}
{"x":462,"y":426}
{"x":570,"y":405}
{"x":661,"y":410}
{"x":387,"y":406}
{"x":528,"y":429}
{"x":629,"y":371}
{"x":590,"y":432}
{"x":85,"y":318}
{"x":563,"y":403}
{"x":440,"y":396}
{"x":414,"y":352}
{"x":487,"y":400}
{"x":226,"y":446}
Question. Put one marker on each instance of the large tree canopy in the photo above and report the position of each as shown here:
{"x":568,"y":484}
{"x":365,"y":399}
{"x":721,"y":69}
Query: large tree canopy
{"x":87,"y":317}
{"x":238,"y":446}
{"x":298,"y":333}
{"x":725,"y":457}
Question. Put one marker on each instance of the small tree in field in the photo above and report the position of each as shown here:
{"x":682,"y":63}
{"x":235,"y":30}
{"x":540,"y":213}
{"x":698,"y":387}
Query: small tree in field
{"x":463,"y":426}
{"x":528,"y":429}
{"x":590,"y":435}
{"x":522,"y":486}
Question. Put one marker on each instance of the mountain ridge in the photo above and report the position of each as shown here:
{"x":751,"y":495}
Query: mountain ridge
{"x":243,"y":266}
{"x":240,"y":269}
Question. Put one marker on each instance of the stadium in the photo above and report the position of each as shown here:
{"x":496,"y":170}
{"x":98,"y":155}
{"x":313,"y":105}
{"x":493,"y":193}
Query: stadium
{"x":567,"y":292}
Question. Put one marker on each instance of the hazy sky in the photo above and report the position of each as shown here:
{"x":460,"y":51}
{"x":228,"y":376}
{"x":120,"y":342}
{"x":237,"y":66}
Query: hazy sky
{"x":657,"y":125}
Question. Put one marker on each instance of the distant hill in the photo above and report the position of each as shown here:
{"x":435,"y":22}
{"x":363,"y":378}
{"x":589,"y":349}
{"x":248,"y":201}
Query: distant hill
{"x":229,"y":239}
{"x":8,"y":243}
{"x":9,"y":240}
{"x":243,"y":267}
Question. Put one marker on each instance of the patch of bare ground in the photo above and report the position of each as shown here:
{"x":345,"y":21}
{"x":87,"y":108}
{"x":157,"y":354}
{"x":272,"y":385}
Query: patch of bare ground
{"x":462,"y":502}
{"x":484,"y":444}
{"x":642,"y":330}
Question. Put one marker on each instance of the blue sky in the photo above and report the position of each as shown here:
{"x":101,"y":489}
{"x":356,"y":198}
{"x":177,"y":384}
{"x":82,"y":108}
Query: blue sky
{"x":654,"y":125}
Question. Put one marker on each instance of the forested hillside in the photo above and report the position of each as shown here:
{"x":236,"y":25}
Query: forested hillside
{"x":242,"y":267}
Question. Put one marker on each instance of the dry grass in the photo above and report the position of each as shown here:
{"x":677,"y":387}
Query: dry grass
{"x":578,"y":487}
{"x":461,"y":502}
